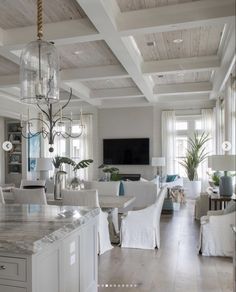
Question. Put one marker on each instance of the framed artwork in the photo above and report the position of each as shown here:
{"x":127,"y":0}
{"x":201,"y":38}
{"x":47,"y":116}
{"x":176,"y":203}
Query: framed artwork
{"x":33,"y":152}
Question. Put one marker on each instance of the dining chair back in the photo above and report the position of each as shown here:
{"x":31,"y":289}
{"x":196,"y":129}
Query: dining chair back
{"x":29,"y":196}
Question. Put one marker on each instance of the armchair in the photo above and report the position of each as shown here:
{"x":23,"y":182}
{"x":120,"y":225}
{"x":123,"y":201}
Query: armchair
{"x":216,"y":236}
{"x":141,"y":229}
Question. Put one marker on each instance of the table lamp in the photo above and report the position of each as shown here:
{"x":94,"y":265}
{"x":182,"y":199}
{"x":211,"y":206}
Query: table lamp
{"x":224,"y":163}
{"x":43,"y":165}
{"x":159,"y":162}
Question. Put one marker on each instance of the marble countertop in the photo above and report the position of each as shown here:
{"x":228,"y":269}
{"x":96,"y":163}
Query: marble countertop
{"x":27,"y":229}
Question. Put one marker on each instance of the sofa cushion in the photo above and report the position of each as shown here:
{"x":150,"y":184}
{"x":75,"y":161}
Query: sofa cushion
{"x":170,"y":178}
{"x":231,"y":207}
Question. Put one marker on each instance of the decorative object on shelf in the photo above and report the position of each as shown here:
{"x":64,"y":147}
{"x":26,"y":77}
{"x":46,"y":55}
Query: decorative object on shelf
{"x":196,"y":154}
{"x":39,"y":79}
{"x":159,"y":162}
{"x":111,"y":173}
{"x":43,"y":165}
{"x":224,"y":163}
{"x":214,"y":178}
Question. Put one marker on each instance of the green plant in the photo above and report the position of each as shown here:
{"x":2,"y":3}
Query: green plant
{"x":59,"y":160}
{"x":215,"y":177}
{"x":114,"y":171}
{"x":196,"y":154}
{"x":82,"y":164}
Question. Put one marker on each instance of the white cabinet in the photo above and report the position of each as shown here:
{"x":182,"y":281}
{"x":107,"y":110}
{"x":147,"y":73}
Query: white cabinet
{"x":68,"y":265}
{"x":11,"y":289}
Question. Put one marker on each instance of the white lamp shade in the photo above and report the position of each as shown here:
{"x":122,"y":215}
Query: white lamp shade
{"x":158,"y":161}
{"x":222,"y":162}
{"x":43,"y":164}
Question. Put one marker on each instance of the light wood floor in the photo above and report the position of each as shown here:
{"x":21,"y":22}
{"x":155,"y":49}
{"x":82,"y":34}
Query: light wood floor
{"x":175,"y":267}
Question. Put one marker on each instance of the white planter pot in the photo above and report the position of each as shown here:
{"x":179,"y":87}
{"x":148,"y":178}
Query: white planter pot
{"x":193,"y":189}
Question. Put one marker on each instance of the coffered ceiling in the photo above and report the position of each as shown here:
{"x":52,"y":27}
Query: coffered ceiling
{"x":126,"y":52}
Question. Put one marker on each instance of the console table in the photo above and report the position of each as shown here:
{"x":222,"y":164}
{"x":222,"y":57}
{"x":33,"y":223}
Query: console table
{"x":220,"y":202}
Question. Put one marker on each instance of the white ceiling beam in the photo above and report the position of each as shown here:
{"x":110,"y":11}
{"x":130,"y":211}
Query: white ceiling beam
{"x":183,"y":88}
{"x":62,"y":33}
{"x":79,"y":90}
{"x":94,"y":73}
{"x":103,"y":16}
{"x":183,"y":97}
{"x":80,"y":74}
{"x":109,"y":93}
{"x":228,"y":60}
{"x":172,"y":17}
{"x":184,"y":64}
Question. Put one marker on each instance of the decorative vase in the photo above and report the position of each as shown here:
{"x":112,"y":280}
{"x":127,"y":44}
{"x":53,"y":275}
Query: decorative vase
{"x":75,"y":182}
{"x":193,"y":188}
{"x":58,"y":181}
{"x":107,"y":176}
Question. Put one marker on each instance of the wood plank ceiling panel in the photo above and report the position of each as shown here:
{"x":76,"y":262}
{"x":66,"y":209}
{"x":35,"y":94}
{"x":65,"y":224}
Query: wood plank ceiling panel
{"x":7,"y":67}
{"x":130,"y":5}
{"x":20,"y":13}
{"x":200,"y":41}
{"x":86,"y":54}
{"x":187,"y":77}
{"x":110,"y":83}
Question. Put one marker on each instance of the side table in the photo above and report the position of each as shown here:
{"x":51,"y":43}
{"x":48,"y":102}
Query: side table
{"x":219,"y":203}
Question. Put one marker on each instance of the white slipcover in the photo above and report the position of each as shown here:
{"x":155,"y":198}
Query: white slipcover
{"x":31,"y":196}
{"x":106,"y":188}
{"x":141,"y":229}
{"x":89,"y":198}
{"x":2,"y":201}
{"x":216,"y":235}
{"x":144,"y":192}
{"x":25,"y":183}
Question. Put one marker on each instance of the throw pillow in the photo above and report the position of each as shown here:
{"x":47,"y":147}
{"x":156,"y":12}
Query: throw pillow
{"x":121,"y":190}
{"x":170,"y":178}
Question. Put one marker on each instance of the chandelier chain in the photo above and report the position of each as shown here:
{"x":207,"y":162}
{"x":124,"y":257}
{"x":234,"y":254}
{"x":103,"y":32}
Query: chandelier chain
{"x":40,"y":19}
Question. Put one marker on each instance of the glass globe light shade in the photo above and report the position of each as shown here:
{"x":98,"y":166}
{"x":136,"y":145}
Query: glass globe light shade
{"x":39,"y":73}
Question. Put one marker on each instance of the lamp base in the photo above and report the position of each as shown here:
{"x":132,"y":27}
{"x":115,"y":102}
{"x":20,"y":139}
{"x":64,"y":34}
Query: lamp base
{"x":226,"y":186}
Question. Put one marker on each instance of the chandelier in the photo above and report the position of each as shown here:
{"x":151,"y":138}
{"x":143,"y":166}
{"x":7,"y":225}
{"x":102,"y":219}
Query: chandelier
{"x":39,"y":82}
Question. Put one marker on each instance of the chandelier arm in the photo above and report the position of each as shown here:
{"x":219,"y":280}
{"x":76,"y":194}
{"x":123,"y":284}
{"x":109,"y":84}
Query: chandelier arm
{"x":42,"y":110}
{"x":69,"y":99}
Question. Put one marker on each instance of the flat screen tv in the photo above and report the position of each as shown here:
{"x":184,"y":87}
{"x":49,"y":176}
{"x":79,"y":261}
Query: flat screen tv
{"x":126,"y":151}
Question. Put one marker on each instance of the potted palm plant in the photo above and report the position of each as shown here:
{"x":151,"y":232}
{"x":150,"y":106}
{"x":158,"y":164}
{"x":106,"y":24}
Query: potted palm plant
{"x":196,"y":154}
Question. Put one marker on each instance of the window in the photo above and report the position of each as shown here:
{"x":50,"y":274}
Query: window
{"x":185,"y":127}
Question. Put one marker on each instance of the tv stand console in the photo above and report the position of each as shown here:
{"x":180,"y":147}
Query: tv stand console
{"x":130,"y":176}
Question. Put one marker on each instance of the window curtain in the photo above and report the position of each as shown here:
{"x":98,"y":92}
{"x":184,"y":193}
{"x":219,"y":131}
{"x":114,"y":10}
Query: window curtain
{"x":86,"y":143}
{"x":168,"y":140}
{"x":232,"y":115}
{"x":209,"y":128}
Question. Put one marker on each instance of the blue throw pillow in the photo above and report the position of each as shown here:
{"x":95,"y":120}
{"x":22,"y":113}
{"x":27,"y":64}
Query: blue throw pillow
{"x":121,"y":190}
{"x":170,"y":178}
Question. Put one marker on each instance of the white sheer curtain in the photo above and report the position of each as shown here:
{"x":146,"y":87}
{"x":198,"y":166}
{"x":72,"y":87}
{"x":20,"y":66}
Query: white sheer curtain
{"x":209,"y":128}
{"x":86,"y":144}
{"x":168,"y":140}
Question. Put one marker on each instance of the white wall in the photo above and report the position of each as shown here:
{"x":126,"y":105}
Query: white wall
{"x":126,"y":123}
{"x":140,"y":122}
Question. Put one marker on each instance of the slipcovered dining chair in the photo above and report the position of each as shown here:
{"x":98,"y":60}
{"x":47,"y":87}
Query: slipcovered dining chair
{"x":29,"y":196}
{"x":89,"y":198}
{"x":106,"y":188}
{"x":141,"y":228}
{"x":32,"y":184}
{"x":2,"y":201}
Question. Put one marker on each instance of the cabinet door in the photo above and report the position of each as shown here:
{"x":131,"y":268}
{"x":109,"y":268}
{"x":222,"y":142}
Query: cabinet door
{"x":88,"y":258}
{"x":11,"y":289}
{"x":70,"y":266}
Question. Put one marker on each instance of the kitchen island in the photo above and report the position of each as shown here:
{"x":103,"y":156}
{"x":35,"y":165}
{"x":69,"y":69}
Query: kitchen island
{"x":48,"y":248}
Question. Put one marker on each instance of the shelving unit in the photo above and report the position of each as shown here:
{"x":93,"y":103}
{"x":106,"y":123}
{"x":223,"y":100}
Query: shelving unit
{"x":13,"y":159}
